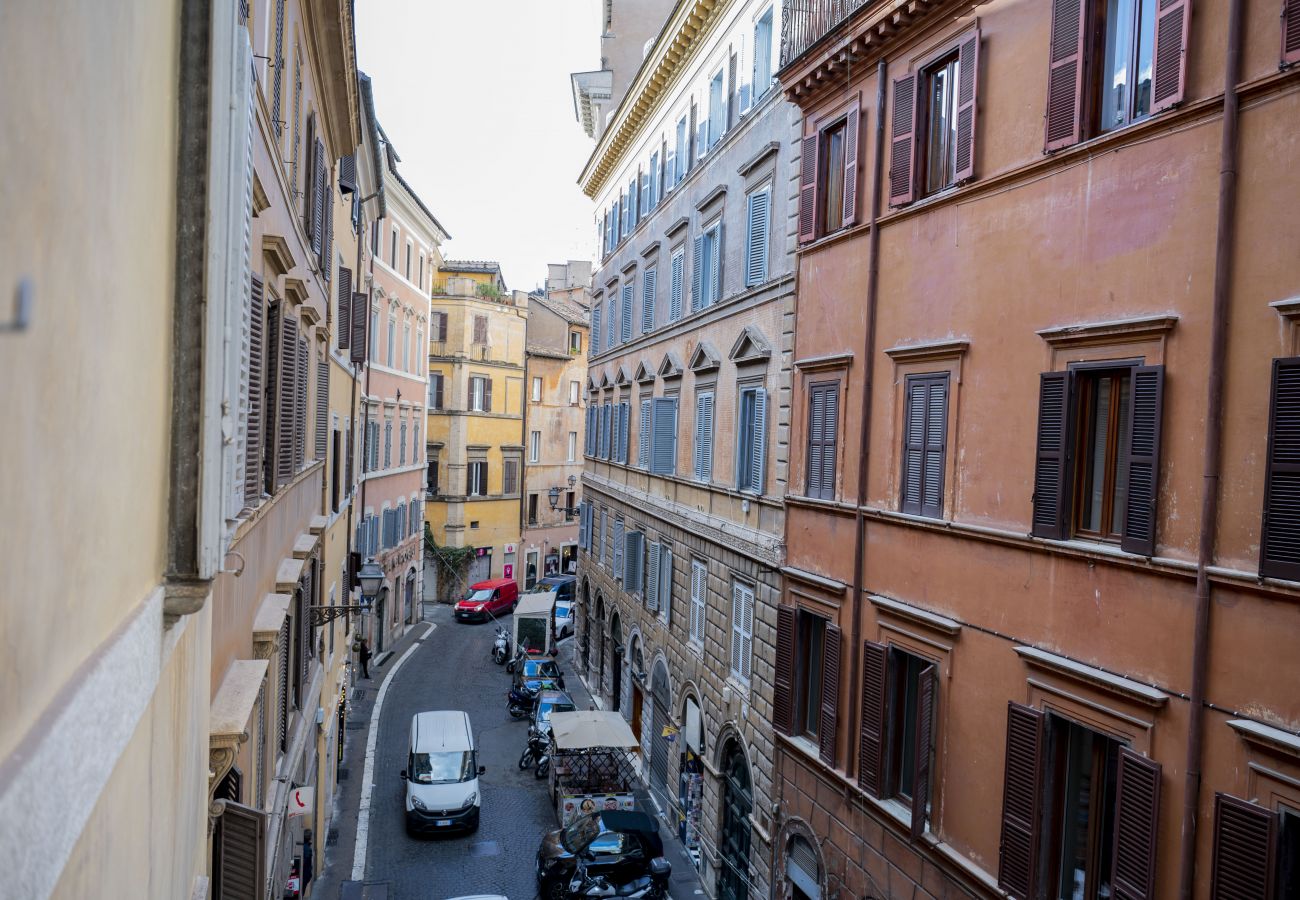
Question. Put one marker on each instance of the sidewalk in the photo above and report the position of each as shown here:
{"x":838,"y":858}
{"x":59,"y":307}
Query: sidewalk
{"x":685,"y":881}
{"x":335,"y":863}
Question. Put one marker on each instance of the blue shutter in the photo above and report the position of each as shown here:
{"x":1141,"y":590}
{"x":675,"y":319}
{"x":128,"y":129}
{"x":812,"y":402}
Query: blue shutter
{"x":643,"y":436}
{"x":663,"y":458}
{"x":583,"y":524}
{"x":704,"y":436}
{"x":595,"y":329}
{"x":627,"y":311}
{"x":756,"y":239}
{"x":611,"y":326}
{"x":652,"y":577}
{"x":648,"y":300}
{"x":678,"y":279}
{"x":697,"y":273}
{"x":624,"y":423}
{"x":665,"y":590}
{"x":758,"y":458}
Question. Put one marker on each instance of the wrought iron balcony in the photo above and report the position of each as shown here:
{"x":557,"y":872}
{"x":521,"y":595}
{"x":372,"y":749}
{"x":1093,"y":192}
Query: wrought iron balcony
{"x":804,"y":22}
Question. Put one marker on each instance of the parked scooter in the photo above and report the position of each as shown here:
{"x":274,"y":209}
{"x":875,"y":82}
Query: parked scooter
{"x":648,"y":887}
{"x":519,"y":703}
{"x":537,"y":754}
{"x":501,"y":646}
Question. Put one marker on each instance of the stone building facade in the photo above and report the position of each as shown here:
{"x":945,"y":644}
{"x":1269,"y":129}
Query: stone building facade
{"x":687,"y":428}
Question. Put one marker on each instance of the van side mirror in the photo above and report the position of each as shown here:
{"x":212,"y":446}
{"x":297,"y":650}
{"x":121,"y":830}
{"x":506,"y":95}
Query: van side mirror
{"x":403,"y":775}
{"x":482,"y":770}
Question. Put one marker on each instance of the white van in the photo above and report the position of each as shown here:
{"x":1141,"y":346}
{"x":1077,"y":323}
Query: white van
{"x":441,"y":774}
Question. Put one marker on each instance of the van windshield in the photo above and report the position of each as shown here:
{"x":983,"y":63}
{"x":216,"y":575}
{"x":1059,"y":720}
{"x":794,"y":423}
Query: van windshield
{"x":443,"y":768}
{"x":483,"y":595}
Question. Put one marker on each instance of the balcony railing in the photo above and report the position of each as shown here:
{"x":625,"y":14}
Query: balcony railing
{"x":804,"y":22}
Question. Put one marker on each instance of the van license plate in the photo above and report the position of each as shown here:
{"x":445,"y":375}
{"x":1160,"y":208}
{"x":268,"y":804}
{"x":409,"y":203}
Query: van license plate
{"x":442,"y":823}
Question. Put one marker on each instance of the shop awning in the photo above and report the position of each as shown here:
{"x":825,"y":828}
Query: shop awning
{"x":588,"y":729}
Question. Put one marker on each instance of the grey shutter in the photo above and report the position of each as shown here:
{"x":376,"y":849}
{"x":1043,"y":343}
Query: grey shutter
{"x":487,"y":394}
{"x":633,"y":561}
{"x":758,"y":458}
{"x":239,"y":853}
{"x":704,"y":436}
{"x":255,"y":434}
{"x":1279,"y":543}
{"x":322,"y":405}
{"x":360,"y":325}
{"x":663,"y":451}
{"x":348,"y":174}
{"x":677,"y":285}
{"x":648,"y":300}
{"x":697,"y":273}
{"x":1142,"y":459}
{"x":318,"y":183}
{"x":595,"y":329}
{"x":1021,"y":803}
{"x":300,"y":406}
{"x":627,"y":312}
{"x":276,"y":66}
{"x":1137,"y":823}
{"x":437,"y":391}
{"x":925,"y":437}
{"x":927,"y":684}
{"x":756,"y":239}
{"x":665,"y":582}
{"x":643,"y":436}
{"x":288,"y":393}
{"x":625,"y":425}
{"x":1051,"y":469}
{"x":583,"y":524}
{"x":620,"y":546}
{"x":828,"y":730}
{"x":343,"y":324}
{"x":715,"y":295}
{"x":823,"y":423}
{"x":732,"y":97}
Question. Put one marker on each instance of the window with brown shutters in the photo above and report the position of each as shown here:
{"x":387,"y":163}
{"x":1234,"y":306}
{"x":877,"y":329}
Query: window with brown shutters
{"x":808,"y":189}
{"x":286,"y":370}
{"x":852,"y":129}
{"x":1113,"y":63}
{"x":925,"y":433}
{"x":322,"y":405}
{"x":828,"y":732}
{"x":300,"y":405}
{"x":343,"y":324}
{"x":1098,"y":457}
{"x":359,"y":339}
{"x":1279,"y":545}
{"x":480,"y":329}
{"x":254,"y":434}
{"x":1137,"y":820}
{"x":921,"y":750}
{"x":1242,"y":863}
{"x":783,"y":682}
{"x":831,"y":171}
{"x":871,"y":737}
{"x":1290,"y":32}
{"x":1021,"y":801}
{"x":823,"y":443}
{"x":239,"y":853}
{"x":285,"y":652}
{"x":901,"y":137}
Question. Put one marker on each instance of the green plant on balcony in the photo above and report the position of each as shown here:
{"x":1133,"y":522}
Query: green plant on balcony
{"x":489,"y":292}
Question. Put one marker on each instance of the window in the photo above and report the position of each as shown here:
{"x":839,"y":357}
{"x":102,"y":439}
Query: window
{"x":575,"y":342}
{"x":742,"y":630}
{"x":1083,"y":766}
{"x":1098,"y":456}
{"x":374,"y":238}
{"x":652,"y":185}
{"x":575,"y":393}
{"x":478,"y":475}
{"x":537,"y":389}
{"x":751,"y":443}
{"x":717,"y":123}
{"x":704,"y":436}
{"x":699,"y":592}
{"x":435,"y":390}
{"x":812,"y":651}
{"x":392,"y":253}
{"x":431,"y":473}
{"x":634,"y":562}
{"x":401,"y":447}
{"x":925,"y":432}
{"x":1279,"y":544}
{"x":480,"y":393}
{"x":806,"y":687}
{"x":643,"y":436}
{"x":1123,"y":83}
{"x":648,"y":279}
{"x":832,"y":163}
{"x":388,"y":444}
{"x":621,"y":440}
{"x":706,"y":279}
{"x":603,"y":449}
{"x":595,"y":328}
{"x":438,"y":327}
{"x":532,"y":509}
{"x":828,"y":175}
{"x":534,"y":446}
{"x":823,"y":444}
{"x":616,"y":558}
{"x":480,"y":329}
{"x":573,"y":447}
{"x":659,"y":580}
{"x":406,"y":347}
{"x":510,"y":475}
{"x":374,"y":333}
{"x":392,"y":339}
{"x":663,"y":441}
{"x":408,"y":261}
{"x":420,"y":282}
{"x":1247,"y":838}
{"x":939,"y":159}
{"x":611,"y":325}
{"x":678,"y":279}
{"x":680,"y":157}
{"x":762,"y":55}
{"x":758,"y":205}
{"x":626,"y":329}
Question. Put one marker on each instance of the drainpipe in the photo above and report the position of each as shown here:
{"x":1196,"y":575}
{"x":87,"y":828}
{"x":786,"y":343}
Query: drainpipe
{"x":1226,"y":230}
{"x":873,"y":280}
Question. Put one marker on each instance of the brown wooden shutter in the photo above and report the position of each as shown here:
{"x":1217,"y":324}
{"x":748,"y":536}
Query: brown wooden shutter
{"x":927,"y":684}
{"x":1173,"y":20}
{"x":322,"y":404}
{"x":1142,"y":459}
{"x":437,"y":396}
{"x":300,"y":406}
{"x":900,"y":142}
{"x":1021,"y":794}
{"x":284,"y":685}
{"x":287,"y":372}
{"x":968,"y":66}
{"x":254,"y":433}
{"x":343,"y":325}
{"x":1137,"y":822}
{"x":1242,"y":863}
{"x":360,"y":325}
{"x":827,"y":730}
{"x":1051,"y":470}
{"x":1279,"y":544}
{"x":239,"y":853}
{"x":1065,"y":80}
{"x":871,"y":740}
{"x":487,"y":395}
{"x":442,"y":326}
{"x":1290,"y":32}
{"x":808,"y":189}
{"x":348,"y":454}
{"x":852,"y":127}
{"x":783,"y":683}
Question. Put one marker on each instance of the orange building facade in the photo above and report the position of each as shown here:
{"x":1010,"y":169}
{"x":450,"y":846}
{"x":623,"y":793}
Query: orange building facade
{"x":990,"y":679}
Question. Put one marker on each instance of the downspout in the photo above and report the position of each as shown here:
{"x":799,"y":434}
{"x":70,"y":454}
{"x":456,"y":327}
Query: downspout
{"x":1225,"y":233}
{"x":868,"y":367}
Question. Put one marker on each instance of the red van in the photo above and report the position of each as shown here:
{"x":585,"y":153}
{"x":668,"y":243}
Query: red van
{"x":487,"y":599}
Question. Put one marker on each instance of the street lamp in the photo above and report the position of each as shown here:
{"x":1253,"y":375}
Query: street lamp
{"x":553,"y":496}
{"x":371,"y":579}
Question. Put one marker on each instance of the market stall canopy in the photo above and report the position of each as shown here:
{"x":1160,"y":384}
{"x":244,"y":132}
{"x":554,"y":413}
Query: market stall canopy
{"x":588,"y":729}
{"x":535,"y":605}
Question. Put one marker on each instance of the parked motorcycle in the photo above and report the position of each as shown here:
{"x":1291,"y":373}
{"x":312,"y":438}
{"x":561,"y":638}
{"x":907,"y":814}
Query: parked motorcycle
{"x":537,"y":754}
{"x":648,"y":887}
{"x":517,"y":660}
{"x":501,"y":646}
{"x":519,"y":703}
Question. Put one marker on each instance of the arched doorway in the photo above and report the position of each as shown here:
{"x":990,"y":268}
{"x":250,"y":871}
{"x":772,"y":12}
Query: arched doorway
{"x":660,"y":703}
{"x":802,"y":870}
{"x":641,"y":723}
{"x":737,"y":803}
{"x":616,"y":662}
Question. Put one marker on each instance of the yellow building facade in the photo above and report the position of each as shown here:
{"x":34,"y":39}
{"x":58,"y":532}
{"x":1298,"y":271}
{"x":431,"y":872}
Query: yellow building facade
{"x":474,"y":446}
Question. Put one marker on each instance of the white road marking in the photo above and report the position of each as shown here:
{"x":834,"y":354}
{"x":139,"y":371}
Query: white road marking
{"x":367,"y":779}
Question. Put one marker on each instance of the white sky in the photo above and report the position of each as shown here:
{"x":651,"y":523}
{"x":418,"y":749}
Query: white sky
{"x":475,"y":96}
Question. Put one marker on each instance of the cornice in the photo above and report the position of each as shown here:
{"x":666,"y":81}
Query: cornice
{"x":676,"y":45}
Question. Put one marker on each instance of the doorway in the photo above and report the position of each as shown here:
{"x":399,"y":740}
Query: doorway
{"x":660,"y":703}
{"x":737,"y":803}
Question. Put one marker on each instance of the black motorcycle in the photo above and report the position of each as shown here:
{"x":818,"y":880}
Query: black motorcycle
{"x":519,"y":703}
{"x":537,"y":754}
{"x":648,"y":887}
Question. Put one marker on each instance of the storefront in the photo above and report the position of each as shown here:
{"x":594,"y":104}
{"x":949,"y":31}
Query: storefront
{"x":690,"y":780}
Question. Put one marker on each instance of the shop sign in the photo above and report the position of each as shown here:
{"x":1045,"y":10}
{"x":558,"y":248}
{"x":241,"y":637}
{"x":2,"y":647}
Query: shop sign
{"x":302,"y":801}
